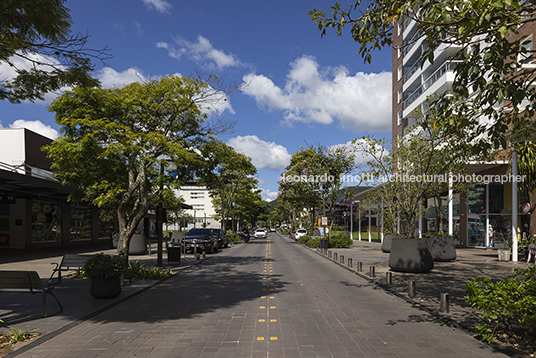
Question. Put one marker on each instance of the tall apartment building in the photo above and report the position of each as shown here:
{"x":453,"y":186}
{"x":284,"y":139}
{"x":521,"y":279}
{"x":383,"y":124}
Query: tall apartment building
{"x":482,"y":217}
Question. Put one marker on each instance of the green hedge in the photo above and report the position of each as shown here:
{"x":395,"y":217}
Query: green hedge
{"x":508,"y":306}
{"x":234,"y":238}
{"x":336,"y":241}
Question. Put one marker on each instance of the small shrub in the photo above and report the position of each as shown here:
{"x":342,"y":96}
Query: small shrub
{"x":18,"y":335}
{"x":304,"y":239}
{"x":139,"y":271}
{"x":102,"y":266}
{"x":339,"y":241}
{"x":234,"y":238}
{"x":314,"y":242}
{"x":508,"y":306}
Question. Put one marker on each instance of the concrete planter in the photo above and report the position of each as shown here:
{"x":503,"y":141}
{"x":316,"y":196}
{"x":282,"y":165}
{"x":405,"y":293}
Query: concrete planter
{"x":410,"y":255}
{"x":504,"y":254}
{"x":387,"y":242}
{"x":442,"y":248}
{"x":105,"y":288}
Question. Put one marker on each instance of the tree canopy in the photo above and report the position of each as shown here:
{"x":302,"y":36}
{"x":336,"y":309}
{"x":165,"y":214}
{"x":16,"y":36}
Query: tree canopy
{"x":313,"y":177}
{"x":493,"y":90}
{"x":37,"y":45}
{"x":115,"y":143}
{"x":231,"y":182}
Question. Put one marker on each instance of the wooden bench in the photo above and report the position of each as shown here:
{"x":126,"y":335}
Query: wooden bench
{"x":27,"y":282}
{"x":69,"y":262}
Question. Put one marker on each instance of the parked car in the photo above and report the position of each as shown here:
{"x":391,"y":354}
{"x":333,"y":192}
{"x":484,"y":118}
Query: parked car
{"x":223,"y":240}
{"x":300,"y":233}
{"x":202,"y":239}
{"x":260,"y":232}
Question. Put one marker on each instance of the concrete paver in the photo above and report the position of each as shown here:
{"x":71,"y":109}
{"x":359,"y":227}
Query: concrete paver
{"x":265,"y":298}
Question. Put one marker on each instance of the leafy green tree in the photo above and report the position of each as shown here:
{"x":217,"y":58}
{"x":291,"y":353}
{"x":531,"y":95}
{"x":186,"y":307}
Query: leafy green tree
{"x":337,"y":162}
{"x":418,"y":169}
{"x":313,"y":177}
{"x":230,"y":174}
{"x":36,"y":42}
{"x":491,"y":80}
{"x":115,"y":143}
{"x":298,"y":186}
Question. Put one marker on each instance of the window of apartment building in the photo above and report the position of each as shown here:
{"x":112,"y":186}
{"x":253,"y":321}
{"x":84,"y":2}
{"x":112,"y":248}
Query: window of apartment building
{"x":400,"y":72}
{"x":198,"y":206}
{"x":194,"y":195}
{"x":399,"y":95}
{"x":526,"y":55}
{"x":400,"y":117}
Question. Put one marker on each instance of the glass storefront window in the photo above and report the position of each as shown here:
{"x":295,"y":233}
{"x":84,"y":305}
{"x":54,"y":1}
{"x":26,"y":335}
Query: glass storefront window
{"x":46,"y":221}
{"x":80,"y":223}
{"x":476,"y":230}
{"x":476,"y":200}
{"x":496,"y":198}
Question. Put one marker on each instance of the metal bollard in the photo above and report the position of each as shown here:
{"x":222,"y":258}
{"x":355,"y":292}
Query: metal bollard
{"x":342,"y":259}
{"x":389,"y":278}
{"x":444,"y":303}
{"x":335,"y":256}
{"x":329,"y":253}
{"x":372,"y":271}
{"x":204,"y":254}
{"x":359,"y":266}
{"x":411,"y":289}
{"x":349,"y":262}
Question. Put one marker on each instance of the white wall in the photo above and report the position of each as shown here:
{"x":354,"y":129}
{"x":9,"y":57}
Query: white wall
{"x":199,"y":198}
{"x":12,"y":146}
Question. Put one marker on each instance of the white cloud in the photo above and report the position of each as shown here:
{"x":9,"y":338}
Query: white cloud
{"x":263,"y":154}
{"x":360,"y":102}
{"x":111,"y":78}
{"x":159,"y":5}
{"x":37,"y":127}
{"x":269,"y":195}
{"x":201,"y":51}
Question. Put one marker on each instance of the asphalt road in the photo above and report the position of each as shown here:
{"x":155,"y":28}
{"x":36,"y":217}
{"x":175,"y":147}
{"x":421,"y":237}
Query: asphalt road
{"x":266,"y":298}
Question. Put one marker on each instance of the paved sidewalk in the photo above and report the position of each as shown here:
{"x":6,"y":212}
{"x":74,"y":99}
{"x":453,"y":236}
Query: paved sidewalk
{"x":446,"y":277}
{"x":23,"y":311}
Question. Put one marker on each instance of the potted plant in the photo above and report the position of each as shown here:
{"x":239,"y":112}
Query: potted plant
{"x":105,"y":274}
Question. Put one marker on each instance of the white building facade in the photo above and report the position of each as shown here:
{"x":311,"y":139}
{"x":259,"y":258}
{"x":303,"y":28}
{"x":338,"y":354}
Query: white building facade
{"x":481,"y":217}
{"x":202,"y":210}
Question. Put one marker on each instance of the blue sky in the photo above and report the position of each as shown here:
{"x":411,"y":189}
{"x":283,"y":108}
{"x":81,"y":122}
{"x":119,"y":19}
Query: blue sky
{"x":301,"y":89}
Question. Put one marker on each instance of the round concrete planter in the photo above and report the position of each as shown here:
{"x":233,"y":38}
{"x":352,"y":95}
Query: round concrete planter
{"x":137,"y":246}
{"x":410,"y":255}
{"x":442,"y":248}
{"x":387,"y":242}
{"x":105,"y":287}
{"x":504,"y":254}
